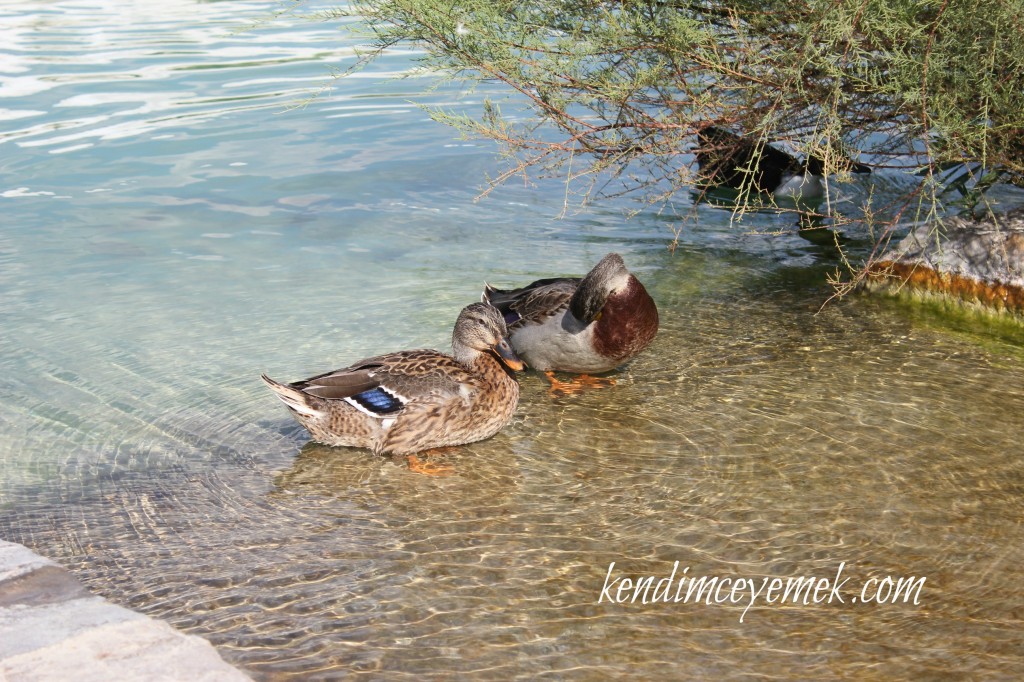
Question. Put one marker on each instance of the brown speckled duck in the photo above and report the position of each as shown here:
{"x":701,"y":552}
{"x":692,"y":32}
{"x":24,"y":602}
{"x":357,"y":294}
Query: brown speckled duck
{"x":583,"y":326}
{"x":409,"y":401}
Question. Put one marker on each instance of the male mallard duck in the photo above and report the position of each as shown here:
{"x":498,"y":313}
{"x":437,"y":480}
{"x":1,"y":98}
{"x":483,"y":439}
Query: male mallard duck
{"x":726,"y":159}
{"x":415,"y":400}
{"x":584,"y":326}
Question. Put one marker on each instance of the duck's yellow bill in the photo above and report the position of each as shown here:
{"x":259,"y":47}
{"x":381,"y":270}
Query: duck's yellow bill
{"x":508,"y":356}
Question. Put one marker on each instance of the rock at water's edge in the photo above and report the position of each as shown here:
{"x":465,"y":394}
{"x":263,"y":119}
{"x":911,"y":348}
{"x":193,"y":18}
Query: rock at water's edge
{"x":52,"y":629}
{"x":973,"y":263}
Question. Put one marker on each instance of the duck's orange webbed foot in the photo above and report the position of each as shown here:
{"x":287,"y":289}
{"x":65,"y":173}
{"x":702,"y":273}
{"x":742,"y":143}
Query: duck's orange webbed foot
{"x":422,"y":466}
{"x":577,"y":384}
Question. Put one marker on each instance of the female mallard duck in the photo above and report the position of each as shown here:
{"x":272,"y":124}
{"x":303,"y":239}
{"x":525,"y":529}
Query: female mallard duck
{"x":584,"y":326}
{"x":726,"y":159}
{"x":415,"y":400}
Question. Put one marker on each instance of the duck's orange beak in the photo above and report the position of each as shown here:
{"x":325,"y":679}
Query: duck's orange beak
{"x":508,"y":356}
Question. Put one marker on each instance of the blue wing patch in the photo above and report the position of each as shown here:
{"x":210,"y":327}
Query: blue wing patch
{"x":378,"y":401}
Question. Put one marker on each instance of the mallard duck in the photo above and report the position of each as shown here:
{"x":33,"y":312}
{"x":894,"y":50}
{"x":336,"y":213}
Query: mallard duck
{"x":726,"y":159}
{"x":414,"y":400}
{"x":583,"y":326}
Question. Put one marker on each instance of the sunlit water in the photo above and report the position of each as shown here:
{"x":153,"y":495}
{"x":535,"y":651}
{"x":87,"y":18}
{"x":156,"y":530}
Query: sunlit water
{"x":173,"y":226}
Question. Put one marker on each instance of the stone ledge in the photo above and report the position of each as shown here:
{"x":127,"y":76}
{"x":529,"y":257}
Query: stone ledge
{"x":52,"y":629}
{"x":975,"y":264}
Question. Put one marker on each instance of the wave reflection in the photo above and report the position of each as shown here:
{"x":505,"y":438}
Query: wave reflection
{"x":114,"y":70}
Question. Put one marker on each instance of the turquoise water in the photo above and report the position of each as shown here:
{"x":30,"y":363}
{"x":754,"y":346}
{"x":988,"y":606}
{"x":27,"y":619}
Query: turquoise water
{"x":174,"y":224}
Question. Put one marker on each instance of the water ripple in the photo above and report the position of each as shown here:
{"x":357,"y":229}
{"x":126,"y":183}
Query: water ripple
{"x":109,"y":71}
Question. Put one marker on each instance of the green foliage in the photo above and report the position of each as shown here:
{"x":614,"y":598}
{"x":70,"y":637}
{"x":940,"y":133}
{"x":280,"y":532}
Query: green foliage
{"x":619,"y":89}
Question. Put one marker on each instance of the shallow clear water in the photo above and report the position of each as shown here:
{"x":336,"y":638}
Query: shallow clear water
{"x":172,"y":227}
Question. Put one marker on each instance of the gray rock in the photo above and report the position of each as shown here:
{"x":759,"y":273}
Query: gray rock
{"x":52,"y":629}
{"x":975,"y":263}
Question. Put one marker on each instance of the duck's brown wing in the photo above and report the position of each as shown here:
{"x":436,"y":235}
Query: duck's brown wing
{"x":385,"y":384}
{"x":533,"y":303}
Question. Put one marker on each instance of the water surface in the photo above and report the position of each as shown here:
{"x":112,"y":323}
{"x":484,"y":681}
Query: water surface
{"x":173,"y":225}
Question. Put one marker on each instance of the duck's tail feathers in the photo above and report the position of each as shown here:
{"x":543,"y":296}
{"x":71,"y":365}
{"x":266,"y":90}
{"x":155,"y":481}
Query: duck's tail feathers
{"x":296,"y":400}
{"x":501,"y":298}
{"x":489,"y":290}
